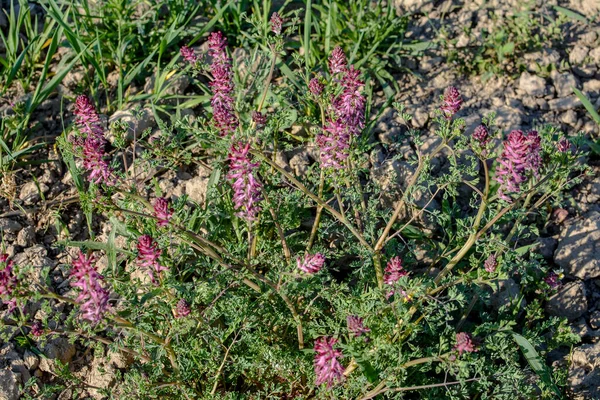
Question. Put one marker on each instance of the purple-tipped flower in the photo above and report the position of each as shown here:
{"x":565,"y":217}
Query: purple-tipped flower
{"x":563,"y":145}
{"x":87,"y":119}
{"x":36,"y":329}
{"x":334,"y":144}
{"x":464,"y":343}
{"x":91,"y":142}
{"x":316,"y":87}
{"x":148,"y":255}
{"x":93,"y":298}
{"x":183,"y":309}
{"x":311,"y":264}
{"x":553,"y":280}
{"x":491,"y":263}
{"x":350,"y":104}
{"x":259,"y":119}
{"x":246,"y":188}
{"x":521,"y":153}
{"x":8,"y":282}
{"x":534,"y":156}
{"x":337,"y":61}
{"x":222,"y":100}
{"x":451,"y":102}
{"x":162,"y":211}
{"x":327,"y":367}
{"x":356,"y":326}
{"x":394,"y":271}
{"x":276,"y":23}
{"x":481,"y":135}
{"x":188,"y":54}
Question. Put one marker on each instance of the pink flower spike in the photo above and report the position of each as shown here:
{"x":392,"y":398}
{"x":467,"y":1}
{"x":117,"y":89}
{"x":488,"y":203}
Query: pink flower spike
{"x":553,"y":280}
{"x":8,"y":282}
{"x":490,"y":264}
{"x":464,"y":343}
{"x":311,"y":264}
{"x":246,"y":187}
{"x":276,"y":23}
{"x":148,"y":255}
{"x":188,"y":54}
{"x":162,"y":211}
{"x":451,"y":102}
{"x":222,"y":101}
{"x":394,"y":271}
{"x":36,"y":329}
{"x":315,"y":87}
{"x":563,"y":145}
{"x":91,"y":142}
{"x":481,"y":135}
{"x":521,"y":154}
{"x":337,"y":61}
{"x":356,"y":326}
{"x":327,"y":367}
{"x":93,"y":298}
{"x":183,"y":309}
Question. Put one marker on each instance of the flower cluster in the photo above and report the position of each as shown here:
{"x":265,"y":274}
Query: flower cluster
{"x":481,"y":135}
{"x":92,"y":142}
{"x":394,"y":271}
{"x":346,"y":116}
{"x":451,"y":102}
{"x":183,"y":309}
{"x":162,"y":211}
{"x":356,"y":326}
{"x":36,"y":329}
{"x":222,"y":101}
{"x":311,"y":264}
{"x":188,"y":54}
{"x":276,"y":23}
{"x":337,"y":61}
{"x":464,"y":343}
{"x":521,"y":154}
{"x":327,"y":367}
{"x":93,"y":298}
{"x":8,"y":282}
{"x":148,"y":255}
{"x":259,"y":119}
{"x":246,"y":188}
{"x":553,"y":280}
{"x":490,"y":263}
{"x":563,"y":145}
{"x":316,"y":87}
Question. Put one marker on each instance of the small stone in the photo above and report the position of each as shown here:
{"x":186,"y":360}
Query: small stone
{"x":584,"y":374}
{"x":569,"y":302}
{"x":530,"y":102}
{"x":547,"y":245}
{"x":420,"y":118}
{"x":197,"y":187}
{"x":589,"y":38}
{"x":32,"y":192}
{"x":564,"y":84}
{"x":569,"y":117}
{"x":56,"y":349}
{"x":578,"y":251}
{"x":592,"y":87}
{"x":9,"y":385}
{"x":595,"y":320}
{"x":31,"y":360}
{"x":564,"y":103}
{"x":26,"y":237}
{"x":508,"y":292}
{"x":532,"y":85}
{"x":595,"y":55}
{"x":136,"y":121}
{"x":578,"y":55}
{"x":9,"y":226}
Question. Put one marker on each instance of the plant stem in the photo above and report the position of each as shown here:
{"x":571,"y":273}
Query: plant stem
{"x":315,"y":227}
